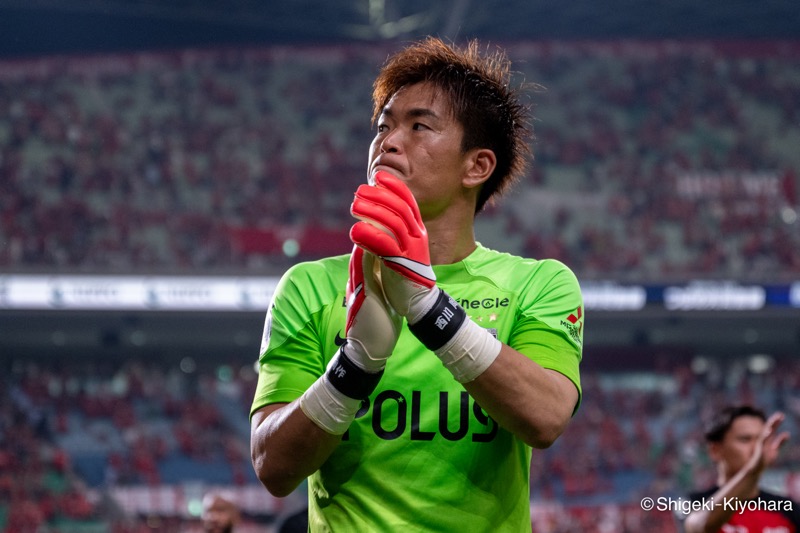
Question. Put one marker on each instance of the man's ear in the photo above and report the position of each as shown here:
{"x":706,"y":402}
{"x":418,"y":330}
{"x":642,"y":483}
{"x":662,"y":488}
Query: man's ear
{"x":481,"y":162}
{"x":714,"y":451}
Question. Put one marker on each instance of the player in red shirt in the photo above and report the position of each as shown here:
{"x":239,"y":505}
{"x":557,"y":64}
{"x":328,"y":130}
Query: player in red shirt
{"x":743,"y":443}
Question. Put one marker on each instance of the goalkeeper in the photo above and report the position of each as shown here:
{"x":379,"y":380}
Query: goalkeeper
{"x":410,"y":380}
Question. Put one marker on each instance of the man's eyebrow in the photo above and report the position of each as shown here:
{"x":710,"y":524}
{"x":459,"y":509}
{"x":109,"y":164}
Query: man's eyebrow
{"x":415,"y":112}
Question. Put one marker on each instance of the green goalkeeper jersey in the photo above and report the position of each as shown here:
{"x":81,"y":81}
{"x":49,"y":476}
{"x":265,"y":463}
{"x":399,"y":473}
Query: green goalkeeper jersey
{"x":421,"y":455}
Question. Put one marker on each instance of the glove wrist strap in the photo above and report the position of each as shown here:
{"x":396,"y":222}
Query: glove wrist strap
{"x":349,"y":378}
{"x":440,"y":322}
{"x":465,"y":348}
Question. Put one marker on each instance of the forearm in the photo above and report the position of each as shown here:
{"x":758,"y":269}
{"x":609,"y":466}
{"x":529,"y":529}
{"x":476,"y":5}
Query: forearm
{"x":742,"y":486}
{"x":286,"y":447}
{"x":534,"y":403}
{"x":530,"y":401}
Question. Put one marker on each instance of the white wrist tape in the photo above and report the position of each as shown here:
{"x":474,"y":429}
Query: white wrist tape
{"x":469,"y":352}
{"x":328,"y":408}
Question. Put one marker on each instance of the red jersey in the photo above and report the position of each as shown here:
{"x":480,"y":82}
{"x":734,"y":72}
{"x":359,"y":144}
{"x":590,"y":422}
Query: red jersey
{"x":767,"y":513}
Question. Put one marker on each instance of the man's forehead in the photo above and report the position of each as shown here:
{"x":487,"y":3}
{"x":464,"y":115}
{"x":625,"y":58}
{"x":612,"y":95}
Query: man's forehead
{"x":420,"y":96}
{"x":746,"y":424}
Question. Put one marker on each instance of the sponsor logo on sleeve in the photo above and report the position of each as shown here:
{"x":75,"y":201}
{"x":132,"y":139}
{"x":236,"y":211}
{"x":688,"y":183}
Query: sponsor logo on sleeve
{"x":574,"y":324}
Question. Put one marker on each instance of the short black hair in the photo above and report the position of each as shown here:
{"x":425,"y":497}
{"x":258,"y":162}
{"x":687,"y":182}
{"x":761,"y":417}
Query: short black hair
{"x":723,"y":420}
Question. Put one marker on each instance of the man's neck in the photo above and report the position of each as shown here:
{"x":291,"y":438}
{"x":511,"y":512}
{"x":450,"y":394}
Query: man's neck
{"x":451,"y":238}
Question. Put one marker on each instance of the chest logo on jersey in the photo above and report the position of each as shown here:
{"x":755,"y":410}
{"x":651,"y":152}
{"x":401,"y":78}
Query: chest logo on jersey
{"x":394,"y":416}
{"x":338,"y":340}
{"x":483,"y":303}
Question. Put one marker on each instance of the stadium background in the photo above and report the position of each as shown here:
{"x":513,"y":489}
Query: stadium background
{"x":160,"y":164}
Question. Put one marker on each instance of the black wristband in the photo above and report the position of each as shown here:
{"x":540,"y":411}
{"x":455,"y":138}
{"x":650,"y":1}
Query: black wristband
{"x":349,"y":379}
{"x":440,"y":323}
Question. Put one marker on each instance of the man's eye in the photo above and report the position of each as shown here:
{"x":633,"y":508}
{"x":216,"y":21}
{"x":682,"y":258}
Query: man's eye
{"x":419,"y":126}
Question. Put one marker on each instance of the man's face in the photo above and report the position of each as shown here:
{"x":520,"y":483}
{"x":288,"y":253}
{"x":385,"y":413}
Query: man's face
{"x":737,"y":446}
{"x":219,"y":515}
{"x":419,"y":141}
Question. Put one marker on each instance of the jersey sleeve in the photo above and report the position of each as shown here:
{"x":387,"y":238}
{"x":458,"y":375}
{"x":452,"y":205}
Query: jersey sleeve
{"x":292,"y":351}
{"x":549,"y":329}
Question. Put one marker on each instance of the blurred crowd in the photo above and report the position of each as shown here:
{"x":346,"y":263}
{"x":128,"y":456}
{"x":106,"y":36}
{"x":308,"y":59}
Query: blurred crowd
{"x":71,"y":432}
{"x":653,"y":160}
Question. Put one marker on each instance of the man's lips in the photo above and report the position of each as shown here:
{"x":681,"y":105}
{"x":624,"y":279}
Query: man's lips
{"x":386,"y":168}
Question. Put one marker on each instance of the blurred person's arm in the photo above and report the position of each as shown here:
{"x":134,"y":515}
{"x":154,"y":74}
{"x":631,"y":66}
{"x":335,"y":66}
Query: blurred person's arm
{"x":744,"y":485}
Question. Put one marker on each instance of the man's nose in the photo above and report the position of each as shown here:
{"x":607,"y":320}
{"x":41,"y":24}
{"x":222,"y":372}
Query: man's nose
{"x":391,"y":142}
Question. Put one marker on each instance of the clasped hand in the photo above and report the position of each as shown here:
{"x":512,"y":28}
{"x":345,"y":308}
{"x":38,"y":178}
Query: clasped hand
{"x":390,"y":226}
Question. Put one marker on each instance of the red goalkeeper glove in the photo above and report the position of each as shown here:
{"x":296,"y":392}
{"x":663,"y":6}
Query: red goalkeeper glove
{"x":391,"y":227}
{"x":372,"y":330}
